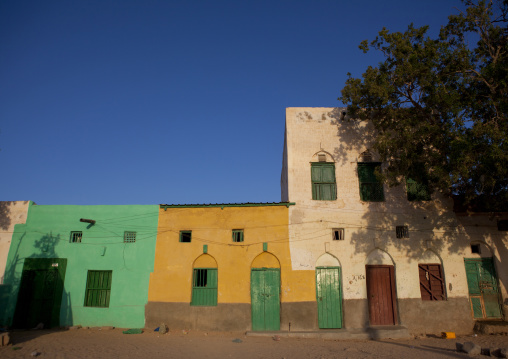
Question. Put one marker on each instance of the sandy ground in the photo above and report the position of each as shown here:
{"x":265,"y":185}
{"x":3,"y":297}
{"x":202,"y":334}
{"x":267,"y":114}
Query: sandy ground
{"x":103,"y":343}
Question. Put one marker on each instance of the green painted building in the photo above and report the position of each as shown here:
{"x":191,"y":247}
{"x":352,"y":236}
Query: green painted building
{"x":80,"y":265}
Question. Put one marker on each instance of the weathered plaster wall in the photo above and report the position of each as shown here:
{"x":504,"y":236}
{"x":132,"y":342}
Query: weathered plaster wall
{"x":436,"y":235}
{"x":46,"y":234}
{"x":11,"y":213}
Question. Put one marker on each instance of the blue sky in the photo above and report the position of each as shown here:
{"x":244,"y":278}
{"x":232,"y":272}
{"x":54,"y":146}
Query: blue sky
{"x":148,"y":102}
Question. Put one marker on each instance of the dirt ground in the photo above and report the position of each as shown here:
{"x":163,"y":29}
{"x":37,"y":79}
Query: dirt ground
{"x":112,"y":343}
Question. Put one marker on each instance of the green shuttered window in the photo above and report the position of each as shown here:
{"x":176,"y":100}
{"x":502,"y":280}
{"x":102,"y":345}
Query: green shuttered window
{"x":204,"y":287}
{"x":324,"y":187}
{"x":237,"y":235}
{"x":371,"y":189}
{"x":417,"y":191}
{"x":98,"y":288}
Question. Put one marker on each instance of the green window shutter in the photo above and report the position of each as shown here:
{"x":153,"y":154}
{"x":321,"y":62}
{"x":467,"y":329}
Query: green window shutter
{"x":323,"y":181}
{"x":204,"y":287}
{"x":98,"y":288}
{"x":371,"y":189}
{"x":417,"y":191}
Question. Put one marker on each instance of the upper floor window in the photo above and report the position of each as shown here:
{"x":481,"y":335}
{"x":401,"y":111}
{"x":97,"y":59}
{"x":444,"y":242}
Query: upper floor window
{"x":185,"y":236}
{"x":324,"y":187}
{"x":237,"y":235}
{"x":76,"y":237}
{"x":371,"y":188}
{"x":417,"y":191}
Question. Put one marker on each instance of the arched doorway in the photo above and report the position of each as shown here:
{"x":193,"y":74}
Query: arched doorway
{"x":328,"y":292}
{"x":381,"y":295}
{"x":265,"y":292}
{"x":482,"y":283}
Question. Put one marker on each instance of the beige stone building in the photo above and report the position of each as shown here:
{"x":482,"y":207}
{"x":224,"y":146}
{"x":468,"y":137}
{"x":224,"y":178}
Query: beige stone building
{"x":11,"y":213}
{"x":392,"y":256}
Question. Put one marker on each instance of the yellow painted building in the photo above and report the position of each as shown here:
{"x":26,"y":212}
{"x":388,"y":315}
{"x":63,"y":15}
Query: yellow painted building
{"x":213,"y":261}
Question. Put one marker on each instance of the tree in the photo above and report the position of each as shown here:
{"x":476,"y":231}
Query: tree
{"x":440,"y":105}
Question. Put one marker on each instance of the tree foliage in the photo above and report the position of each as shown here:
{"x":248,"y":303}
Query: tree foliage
{"x":440,"y":105}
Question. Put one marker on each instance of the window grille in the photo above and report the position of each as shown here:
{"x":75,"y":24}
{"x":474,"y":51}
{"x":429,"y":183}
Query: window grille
{"x":402,"y":231}
{"x":98,"y":288}
{"x":129,"y":237}
{"x":431,"y":282}
{"x":366,"y":156}
{"x":323,"y":181}
{"x":338,"y":234}
{"x":371,"y":188}
{"x":237,"y":235}
{"x":185,"y":236}
{"x":76,"y":236}
{"x":204,"y":287}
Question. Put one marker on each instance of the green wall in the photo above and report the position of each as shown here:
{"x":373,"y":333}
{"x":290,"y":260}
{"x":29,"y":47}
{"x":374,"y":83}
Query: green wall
{"x":46,"y":234}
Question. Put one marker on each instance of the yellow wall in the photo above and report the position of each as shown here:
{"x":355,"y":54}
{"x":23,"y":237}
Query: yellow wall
{"x":171,"y":280}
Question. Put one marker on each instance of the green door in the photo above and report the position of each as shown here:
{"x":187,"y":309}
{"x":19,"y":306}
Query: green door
{"x":265,"y":298}
{"x":328,"y":297}
{"x":483,"y":288}
{"x":40,"y":293}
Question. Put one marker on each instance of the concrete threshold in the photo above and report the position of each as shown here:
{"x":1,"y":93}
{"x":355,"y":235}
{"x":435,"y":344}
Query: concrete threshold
{"x":374,"y":332}
{"x":491,"y":327}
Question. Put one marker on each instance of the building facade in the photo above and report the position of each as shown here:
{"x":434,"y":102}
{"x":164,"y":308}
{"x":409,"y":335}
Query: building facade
{"x":226,"y":267}
{"x":80,"y":265}
{"x":400,"y":256}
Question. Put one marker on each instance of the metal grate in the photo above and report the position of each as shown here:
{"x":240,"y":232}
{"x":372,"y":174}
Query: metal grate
{"x":129,"y":237}
{"x":237,"y":235}
{"x":338,"y":234}
{"x":402,"y":232}
{"x":76,"y":236}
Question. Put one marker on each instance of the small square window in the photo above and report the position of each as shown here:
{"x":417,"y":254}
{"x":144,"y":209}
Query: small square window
{"x":502,"y":225}
{"x":237,"y":235}
{"x":338,"y":234}
{"x":402,"y":232}
{"x":76,"y":236}
{"x":185,"y":236}
{"x":475,"y":249}
{"x":322,"y":158}
{"x":129,"y":237}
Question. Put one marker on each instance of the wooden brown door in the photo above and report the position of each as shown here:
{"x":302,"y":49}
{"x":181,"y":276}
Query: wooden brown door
{"x":381,"y":295}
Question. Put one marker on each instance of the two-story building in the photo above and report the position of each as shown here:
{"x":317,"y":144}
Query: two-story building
{"x":382,"y":256}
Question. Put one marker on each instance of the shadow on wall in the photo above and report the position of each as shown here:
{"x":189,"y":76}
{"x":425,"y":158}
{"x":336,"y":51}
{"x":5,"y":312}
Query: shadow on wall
{"x":36,"y":292}
{"x":5,"y":215}
{"x":431,"y":224}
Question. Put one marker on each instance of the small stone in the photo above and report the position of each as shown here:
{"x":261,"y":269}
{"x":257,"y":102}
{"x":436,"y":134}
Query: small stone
{"x":502,"y":352}
{"x":237,"y":340}
{"x":106,"y":328}
{"x":75,"y":327}
{"x":459,"y":346}
{"x":350,"y":350}
{"x":35,"y":353}
{"x":487,"y":351}
{"x":5,"y":339}
{"x":163,"y":329}
{"x":276,"y":338}
{"x":471,"y":348}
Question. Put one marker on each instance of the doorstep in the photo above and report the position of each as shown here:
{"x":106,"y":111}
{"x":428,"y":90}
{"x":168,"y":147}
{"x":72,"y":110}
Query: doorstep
{"x":373,"y":332}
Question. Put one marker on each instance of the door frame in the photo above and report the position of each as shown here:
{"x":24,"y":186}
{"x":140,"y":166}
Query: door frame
{"x":264,"y":311}
{"x":392,"y":291}
{"x":340,"y":299}
{"x":481,"y":297}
